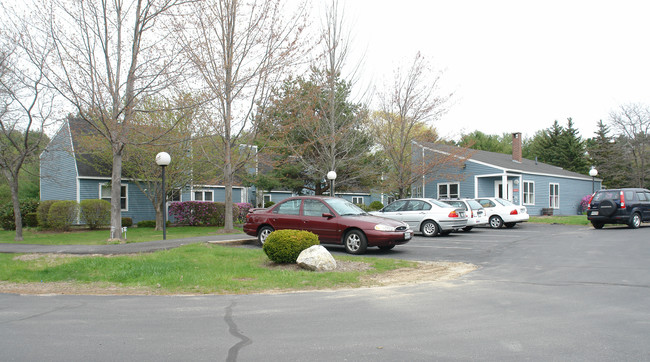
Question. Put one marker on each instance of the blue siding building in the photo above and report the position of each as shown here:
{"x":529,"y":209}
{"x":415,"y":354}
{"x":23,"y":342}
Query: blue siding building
{"x":68,"y":175}
{"x":541,"y":187}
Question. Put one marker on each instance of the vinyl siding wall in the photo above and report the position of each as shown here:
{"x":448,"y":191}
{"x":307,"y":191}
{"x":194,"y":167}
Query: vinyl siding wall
{"x":58,"y":168}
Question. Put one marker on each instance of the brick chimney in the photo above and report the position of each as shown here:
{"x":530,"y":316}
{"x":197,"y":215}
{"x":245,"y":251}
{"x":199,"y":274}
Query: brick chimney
{"x":516,"y":147}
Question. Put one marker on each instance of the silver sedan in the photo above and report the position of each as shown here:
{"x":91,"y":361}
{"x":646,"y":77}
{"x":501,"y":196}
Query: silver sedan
{"x":429,"y":216}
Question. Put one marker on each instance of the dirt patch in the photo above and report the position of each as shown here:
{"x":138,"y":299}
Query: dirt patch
{"x":422,"y":273}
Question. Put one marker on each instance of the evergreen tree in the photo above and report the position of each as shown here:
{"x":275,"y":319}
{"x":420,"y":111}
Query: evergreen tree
{"x":608,"y":157}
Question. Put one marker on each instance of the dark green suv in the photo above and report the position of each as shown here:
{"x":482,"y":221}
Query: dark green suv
{"x":619,"y":206}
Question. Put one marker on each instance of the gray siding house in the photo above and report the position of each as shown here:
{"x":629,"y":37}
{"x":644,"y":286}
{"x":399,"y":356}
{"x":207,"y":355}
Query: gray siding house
{"x":68,"y":175}
{"x":541,"y":187}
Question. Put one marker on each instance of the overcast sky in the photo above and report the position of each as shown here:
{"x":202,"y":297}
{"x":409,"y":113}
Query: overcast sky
{"x":514,"y":65}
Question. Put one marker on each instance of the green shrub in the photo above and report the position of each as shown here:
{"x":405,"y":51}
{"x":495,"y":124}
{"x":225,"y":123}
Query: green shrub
{"x":146,"y":224}
{"x":62,"y":214}
{"x":43,"y":211}
{"x":376,"y":205}
{"x":7,"y":219}
{"x":95,"y":213}
{"x":31,"y":220}
{"x":127,"y":222}
{"x":284,"y":246}
{"x":268,"y":204}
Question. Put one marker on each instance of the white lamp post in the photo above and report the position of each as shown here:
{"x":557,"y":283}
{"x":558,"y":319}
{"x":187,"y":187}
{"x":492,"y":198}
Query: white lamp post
{"x":593,"y":173}
{"x":331,"y":176}
{"x":163,"y":159}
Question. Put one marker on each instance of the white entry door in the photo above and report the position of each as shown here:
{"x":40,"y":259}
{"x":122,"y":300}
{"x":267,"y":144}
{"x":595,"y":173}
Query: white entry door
{"x":498,"y":190}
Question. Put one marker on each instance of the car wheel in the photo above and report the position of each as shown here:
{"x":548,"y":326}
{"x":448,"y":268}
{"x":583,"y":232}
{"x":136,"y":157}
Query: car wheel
{"x":430,"y":228}
{"x":263,"y":234}
{"x":355,"y":242}
{"x":495,"y":222}
{"x":510,"y":225}
{"x":635,"y":221}
{"x":597,"y":225}
{"x":468,"y":228}
{"x":445,"y":233}
{"x":386,"y":247}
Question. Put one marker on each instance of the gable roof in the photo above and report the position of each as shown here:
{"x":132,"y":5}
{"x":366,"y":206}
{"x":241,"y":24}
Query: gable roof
{"x":506,"y":163}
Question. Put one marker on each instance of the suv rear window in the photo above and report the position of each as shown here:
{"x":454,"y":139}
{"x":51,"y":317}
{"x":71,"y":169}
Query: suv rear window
{"x":607,"y":195}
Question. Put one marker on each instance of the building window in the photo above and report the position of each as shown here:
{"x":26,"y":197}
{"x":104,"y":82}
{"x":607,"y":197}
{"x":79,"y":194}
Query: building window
{"x":105,"y":194}
{"x":448,"y":191}
{"x":417,"y":191}
{"x":203,"y":195}
{"x":554,"y":196}
{"x":174,"y":195}
{"x":357,"y":200}
{"x":267,"y":198}
{"x":529,"y":193}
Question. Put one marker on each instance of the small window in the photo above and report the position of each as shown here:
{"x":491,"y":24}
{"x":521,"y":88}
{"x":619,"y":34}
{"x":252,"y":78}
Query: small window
{"x":267,"y":198}
{"x":314,"y":208}
{"x":417,"y":191}
{"x":174,"y":195}
{"x":554,"y":196}
{"x":641,"y":196}
{"x":486,"y":203}
{"x":399,"y":205}
{"x":203,"y":195}
{"x":448,"y":191}
{"x":291,"y":207}
{"x":357,"y":200}
{"x":529,"y":193}
{"x":105,"y":194}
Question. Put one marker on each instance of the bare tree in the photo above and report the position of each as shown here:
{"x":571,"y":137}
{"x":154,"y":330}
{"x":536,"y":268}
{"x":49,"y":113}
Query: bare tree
{"x":241,"y":50}
{"x":108,"y":56}
{"x":632,"y":121}
{"x":408,"y":109}
{"x":26,"y":104}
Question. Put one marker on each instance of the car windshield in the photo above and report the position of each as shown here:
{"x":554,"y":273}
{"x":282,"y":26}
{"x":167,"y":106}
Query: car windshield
{"x":344,"y":207}
{"x":440,"y":203}
{"x":505,"y":202}
{"x":474,"y":204}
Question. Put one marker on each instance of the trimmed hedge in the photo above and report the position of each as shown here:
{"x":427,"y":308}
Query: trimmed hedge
{"x":31,"y":220}
{"x":95,"y":213}
{"x":146,"y":224}
{"x":43,"y":211}
{"x":7,"y":219}
{"x":284,"y":246}
{"x":195,"y":213}
{"x":127,"y":222}
{"x":376,"y":205}
{"x":62,"y":214}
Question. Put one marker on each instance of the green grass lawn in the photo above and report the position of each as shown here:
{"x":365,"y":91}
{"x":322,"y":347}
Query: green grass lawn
{"x":565,"y":220}
{"x":96,"y":237}
{"x":196,"y":268}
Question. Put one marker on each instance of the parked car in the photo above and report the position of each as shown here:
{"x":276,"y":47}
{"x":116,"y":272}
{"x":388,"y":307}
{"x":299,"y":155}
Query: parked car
{"x":476,"y":215}
{"x":503,"y":212}
{"x":428,"y":216}
{"x":619,"y":206}
{"x":334,"y":220}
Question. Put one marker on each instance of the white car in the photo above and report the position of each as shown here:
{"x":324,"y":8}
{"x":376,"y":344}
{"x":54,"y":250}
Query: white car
{"x":429,"y":216}
{"x":503,"y":212}
{"x":476,"y":215}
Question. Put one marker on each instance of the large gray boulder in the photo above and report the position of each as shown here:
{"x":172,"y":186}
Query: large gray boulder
{"x":316,"y":258}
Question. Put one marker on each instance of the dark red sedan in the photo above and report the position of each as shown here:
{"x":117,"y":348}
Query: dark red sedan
{"x":334,"y":220}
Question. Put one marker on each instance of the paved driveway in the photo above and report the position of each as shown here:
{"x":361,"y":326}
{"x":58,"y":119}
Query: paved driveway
{"x":562,"y":293}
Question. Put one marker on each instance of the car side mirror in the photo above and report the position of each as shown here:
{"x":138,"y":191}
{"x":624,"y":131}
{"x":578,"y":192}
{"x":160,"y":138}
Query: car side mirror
{"x":327,"y":215}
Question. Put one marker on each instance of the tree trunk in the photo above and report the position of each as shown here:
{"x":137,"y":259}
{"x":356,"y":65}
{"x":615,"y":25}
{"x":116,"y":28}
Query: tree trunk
{"x":116,"y":196}
{"x":228,"y":223}
{"x":17,"y":217}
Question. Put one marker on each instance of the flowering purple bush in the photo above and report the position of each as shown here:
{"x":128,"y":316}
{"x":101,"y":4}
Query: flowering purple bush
{"x":196,"y":213}
{"x":239,"y":211}
{"x":584,"y":203}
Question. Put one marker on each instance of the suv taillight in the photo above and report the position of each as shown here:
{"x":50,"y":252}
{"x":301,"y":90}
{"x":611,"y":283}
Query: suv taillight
{"x":590,"y":200}
{"x":622,"y":200}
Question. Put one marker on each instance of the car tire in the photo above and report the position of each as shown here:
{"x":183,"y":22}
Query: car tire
{"x":635,"y":221}
{"x":609,"y":208}
{"x":510,"y":225}
{"x":496,"y":222}
{"x":468,"y":228}
{"x":597,"y":225}
{"x":429,"y":228}
{"x":263,"y":233}
{"x":355,"y":242}
{"x":445,"y":233}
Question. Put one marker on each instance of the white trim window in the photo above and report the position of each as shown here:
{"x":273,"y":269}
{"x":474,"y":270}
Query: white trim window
{"x":357,"y":200}
{"x":554,"y":195}
{"x":105,"y":194}
{"x":266,"y":198}
{"x":448,"y":190}
{"x":529,"y":192}
{"x":417,"y":191}
{"x":203,"y":195}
